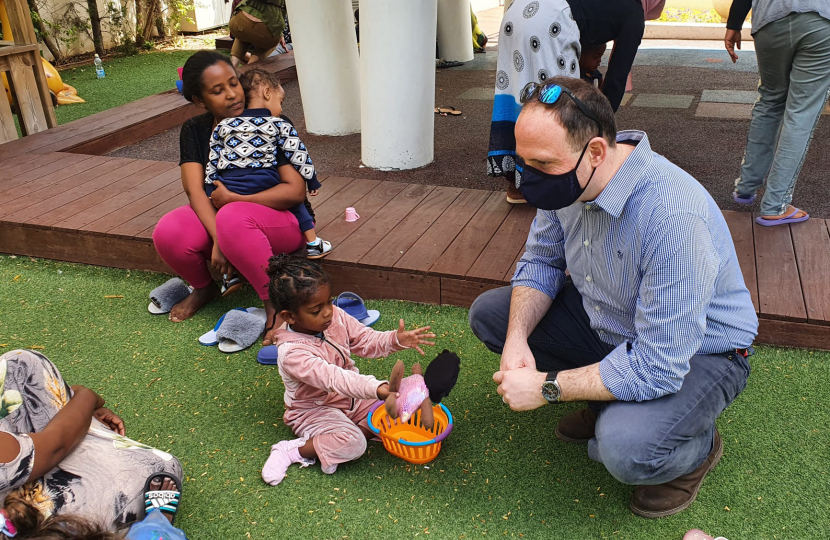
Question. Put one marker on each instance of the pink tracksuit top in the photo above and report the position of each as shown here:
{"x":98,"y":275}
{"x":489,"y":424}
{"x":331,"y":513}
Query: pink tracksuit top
{"x":319,"y":370}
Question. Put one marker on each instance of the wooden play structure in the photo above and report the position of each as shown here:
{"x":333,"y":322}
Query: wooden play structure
{"x":21,"y":64}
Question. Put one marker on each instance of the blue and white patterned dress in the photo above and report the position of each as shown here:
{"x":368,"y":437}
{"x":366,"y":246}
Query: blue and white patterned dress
{"x":539,"y":40}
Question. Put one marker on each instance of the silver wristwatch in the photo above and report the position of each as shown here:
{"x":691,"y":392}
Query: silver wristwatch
{"x":550,"y":388}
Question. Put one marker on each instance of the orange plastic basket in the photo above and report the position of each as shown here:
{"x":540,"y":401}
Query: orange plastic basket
{"x":410,"y":440}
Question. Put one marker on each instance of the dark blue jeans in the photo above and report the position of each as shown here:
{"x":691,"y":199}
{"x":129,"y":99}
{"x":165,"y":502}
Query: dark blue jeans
{"x":645,"y":443}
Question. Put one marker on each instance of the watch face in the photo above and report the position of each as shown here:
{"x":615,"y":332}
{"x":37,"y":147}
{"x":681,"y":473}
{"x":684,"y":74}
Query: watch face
{"x":550,"y":391}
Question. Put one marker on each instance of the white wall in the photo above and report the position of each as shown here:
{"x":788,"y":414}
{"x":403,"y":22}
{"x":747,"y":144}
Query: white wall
{"x":53,"y":10}
{"x":207,"y":14}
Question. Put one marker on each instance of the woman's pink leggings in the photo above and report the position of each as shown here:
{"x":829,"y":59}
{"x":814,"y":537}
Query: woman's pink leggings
{"x":248,"y":234}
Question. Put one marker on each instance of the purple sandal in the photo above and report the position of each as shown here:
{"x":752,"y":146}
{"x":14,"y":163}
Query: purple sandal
{"x":743,"y":200}
{"x":783,"y":221}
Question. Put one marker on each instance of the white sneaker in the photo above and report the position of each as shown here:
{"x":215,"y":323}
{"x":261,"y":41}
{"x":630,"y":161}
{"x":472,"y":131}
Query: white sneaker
{"x":319,"y":249}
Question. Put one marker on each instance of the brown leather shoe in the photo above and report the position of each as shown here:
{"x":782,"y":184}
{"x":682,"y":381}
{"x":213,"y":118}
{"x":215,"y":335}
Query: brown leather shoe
{"x":577,"y":427}
{"x":672,"y":497}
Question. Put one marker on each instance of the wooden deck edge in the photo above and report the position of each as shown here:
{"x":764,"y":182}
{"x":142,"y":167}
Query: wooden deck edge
{"x":80,"y":247}
{"x":792,"y":334}
{"x":392,"y":284}
{"x":137,"y":132}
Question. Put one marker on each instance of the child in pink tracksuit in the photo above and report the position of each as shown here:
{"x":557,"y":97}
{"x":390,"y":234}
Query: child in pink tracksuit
{"x":327,"y":400}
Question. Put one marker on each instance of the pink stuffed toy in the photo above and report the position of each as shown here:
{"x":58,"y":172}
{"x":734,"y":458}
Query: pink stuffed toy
{"x":420,"y":390}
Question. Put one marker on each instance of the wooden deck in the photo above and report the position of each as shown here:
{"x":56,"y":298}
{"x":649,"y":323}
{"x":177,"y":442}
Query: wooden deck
{"x":429,"y":244}
{"x":414,"y":242}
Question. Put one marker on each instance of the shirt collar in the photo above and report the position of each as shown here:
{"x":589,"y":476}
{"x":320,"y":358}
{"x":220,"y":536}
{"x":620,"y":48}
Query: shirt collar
{"x":256,"y":112}
{"x":321,"y":335}
{"x":619,"y":189}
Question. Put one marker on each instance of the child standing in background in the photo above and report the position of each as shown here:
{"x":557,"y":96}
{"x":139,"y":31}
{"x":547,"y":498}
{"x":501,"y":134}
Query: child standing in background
{"x":246,"y":151}
{"x":327,"y":400}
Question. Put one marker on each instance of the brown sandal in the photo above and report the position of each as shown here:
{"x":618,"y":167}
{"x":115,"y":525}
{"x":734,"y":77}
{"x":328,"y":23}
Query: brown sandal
{"x":444,"y":111}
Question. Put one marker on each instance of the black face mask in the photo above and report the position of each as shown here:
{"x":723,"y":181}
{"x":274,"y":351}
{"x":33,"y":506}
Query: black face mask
{"x":550,"y":191}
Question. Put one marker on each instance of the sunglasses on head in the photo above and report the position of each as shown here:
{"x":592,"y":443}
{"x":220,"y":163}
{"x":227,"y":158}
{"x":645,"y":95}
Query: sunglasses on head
{"x":550,"y":93}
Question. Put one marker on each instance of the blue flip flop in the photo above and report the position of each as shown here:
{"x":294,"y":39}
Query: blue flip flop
{"x":743,"y":200}
{"x":783,"y":221}
{"x":352,"y":304}
{"x":268,"y":355}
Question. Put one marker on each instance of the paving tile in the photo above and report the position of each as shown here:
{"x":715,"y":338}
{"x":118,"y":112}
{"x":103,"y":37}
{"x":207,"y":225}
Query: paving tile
{"x":626,"y":98}
{"x":826,"y":109}
{"x":730,"y":96}
{"x":663,"y":101}
{"x":739,"y":111}
{"x":483,"y":94}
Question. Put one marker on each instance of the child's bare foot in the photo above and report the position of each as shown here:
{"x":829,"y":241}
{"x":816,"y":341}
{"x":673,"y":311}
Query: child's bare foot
{"x":163,"y":493}
{"x":193,"y":303}
{"x":273,"y":322}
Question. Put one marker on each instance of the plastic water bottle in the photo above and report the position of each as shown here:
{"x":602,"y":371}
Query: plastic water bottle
{"x":155,"y":527}
{"x":99,"y":67}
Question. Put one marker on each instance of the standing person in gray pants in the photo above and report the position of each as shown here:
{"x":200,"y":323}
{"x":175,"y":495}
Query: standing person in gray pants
{"x":792,"y":43}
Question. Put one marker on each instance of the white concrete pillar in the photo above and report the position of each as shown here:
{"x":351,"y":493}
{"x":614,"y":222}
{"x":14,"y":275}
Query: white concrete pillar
{"x":455,"y":35}
{"x":397,"y":74}
{"x":328,"y":64}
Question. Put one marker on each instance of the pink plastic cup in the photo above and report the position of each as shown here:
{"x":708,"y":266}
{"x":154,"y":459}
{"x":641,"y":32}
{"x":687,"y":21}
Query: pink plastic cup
{"x":180,"y":72}
{"x":351,"y":215}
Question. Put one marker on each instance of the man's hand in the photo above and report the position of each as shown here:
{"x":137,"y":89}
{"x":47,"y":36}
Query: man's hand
{"x":521,"y":389}
{"x":516,"y":354}
{"x":731,"y":41}
{"x":110,"y":419}
{"x":414,"y":338}
{"x":313,"y":192}
{"x":221,"y":195}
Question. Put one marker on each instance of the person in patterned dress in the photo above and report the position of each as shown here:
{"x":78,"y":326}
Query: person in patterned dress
{"x":62,"y":453}
{"x":538,"y":40}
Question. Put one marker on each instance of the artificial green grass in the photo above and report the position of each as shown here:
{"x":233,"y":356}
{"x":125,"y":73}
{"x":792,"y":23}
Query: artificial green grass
{"x":499,"y":474}
{"x":127,"y":79}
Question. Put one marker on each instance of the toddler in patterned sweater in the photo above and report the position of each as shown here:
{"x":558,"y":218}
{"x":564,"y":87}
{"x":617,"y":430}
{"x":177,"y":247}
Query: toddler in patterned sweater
{"x":245,"y":151}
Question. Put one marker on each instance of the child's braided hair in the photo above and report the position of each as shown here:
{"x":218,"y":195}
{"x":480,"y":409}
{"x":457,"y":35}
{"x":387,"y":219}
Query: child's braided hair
{"x":293,"y":281}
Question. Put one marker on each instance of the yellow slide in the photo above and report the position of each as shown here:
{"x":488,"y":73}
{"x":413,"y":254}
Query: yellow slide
{"x":64,"y":93}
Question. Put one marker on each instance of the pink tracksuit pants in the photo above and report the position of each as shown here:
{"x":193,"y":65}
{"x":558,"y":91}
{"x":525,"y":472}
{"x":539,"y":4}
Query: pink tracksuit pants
{"x":248,"y":235}
{"x":336,"y":432}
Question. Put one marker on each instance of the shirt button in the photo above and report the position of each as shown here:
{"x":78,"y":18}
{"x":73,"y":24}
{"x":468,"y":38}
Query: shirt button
{"x":588,"y":279}
{"x":586,"y":243}
{"x":588,"y":206}
{"x":597,"y":308}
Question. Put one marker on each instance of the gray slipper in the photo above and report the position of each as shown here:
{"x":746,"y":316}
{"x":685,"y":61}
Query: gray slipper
{"x":240,"y":329}
{"x":167,"y":295}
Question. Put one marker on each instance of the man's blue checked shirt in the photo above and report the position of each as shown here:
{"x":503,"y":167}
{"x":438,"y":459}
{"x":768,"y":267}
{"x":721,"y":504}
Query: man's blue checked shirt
{"x":654,"y":261}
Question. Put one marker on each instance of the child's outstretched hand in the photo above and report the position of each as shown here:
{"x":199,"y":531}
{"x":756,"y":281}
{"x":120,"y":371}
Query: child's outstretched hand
{"x":413,"y":338}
